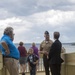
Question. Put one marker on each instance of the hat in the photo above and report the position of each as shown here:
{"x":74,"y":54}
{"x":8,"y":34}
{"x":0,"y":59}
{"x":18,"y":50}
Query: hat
{"x":46,"y":32}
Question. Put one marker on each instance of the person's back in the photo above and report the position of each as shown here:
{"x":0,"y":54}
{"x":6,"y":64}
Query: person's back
{"x":22,"y":51}
{"x":23,"y":57}
{"x":35,"y":49}
{"x":55,"y":55}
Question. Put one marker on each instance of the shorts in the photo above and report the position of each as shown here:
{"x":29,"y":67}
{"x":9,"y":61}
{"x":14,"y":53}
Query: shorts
{"x":23,"y":60}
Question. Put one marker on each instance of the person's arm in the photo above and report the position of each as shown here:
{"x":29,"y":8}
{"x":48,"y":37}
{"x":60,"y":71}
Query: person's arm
{"x":63,"y":50}
{"x":37,"y":59}
{"x":5,"y":46}
{"x":36,"y":62}
{"x":52,"y":51}
{"x":26,"y":51}
{"x":41,"y":49}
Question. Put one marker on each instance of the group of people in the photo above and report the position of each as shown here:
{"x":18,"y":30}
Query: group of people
{"x":51,"y":54}
{"x":31,"y":57}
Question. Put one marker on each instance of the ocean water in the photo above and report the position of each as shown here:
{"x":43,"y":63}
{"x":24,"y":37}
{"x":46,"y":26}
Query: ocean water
{"x":68,"y":46}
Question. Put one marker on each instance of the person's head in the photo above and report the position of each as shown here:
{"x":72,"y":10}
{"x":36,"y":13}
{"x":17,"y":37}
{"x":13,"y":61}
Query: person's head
{"x":56,"y":35}
{"x":46,"y":35}
{"x":21,"y":43}
{"x":33,"y":44}
{"x":9,"y":31}
{"x":31,"y":51}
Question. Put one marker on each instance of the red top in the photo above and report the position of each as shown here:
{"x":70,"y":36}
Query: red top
{"x":22,"y":51}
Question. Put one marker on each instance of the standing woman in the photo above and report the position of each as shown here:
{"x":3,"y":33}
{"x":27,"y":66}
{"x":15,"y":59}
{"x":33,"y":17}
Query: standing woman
{"x":44,"y":49}
{"x":23,"y":57}
{"x":55,"y":55}
{"x":35,"y":49}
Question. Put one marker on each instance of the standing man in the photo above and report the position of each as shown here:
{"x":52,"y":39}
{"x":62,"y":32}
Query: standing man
{"x":9,"y":51}
{"x":55,"y":55}
{"x":44,"y":49}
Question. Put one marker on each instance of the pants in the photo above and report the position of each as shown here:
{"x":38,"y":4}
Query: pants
{"x":12,"y":66}
{"x":46,"y":65}
{"x":55,"y":69}
{"x":33,"y":71}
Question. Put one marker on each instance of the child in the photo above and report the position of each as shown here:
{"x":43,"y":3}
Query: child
{"x":32,"y":61}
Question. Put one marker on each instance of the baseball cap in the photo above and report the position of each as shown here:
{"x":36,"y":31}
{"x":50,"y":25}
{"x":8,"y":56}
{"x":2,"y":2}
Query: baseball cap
{"x":46,"y":32}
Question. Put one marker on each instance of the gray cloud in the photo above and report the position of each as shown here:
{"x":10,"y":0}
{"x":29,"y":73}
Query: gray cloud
{"x":28,"y":7}
{"x":30,"y":18}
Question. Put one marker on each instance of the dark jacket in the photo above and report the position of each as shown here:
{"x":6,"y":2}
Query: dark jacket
{"x":55,"y":53}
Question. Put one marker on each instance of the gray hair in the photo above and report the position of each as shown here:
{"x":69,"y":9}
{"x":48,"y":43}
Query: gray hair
{"x":8,"y":30}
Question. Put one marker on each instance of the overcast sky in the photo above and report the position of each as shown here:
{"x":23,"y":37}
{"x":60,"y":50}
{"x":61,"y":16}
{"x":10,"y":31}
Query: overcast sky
{"x":31,"y":18}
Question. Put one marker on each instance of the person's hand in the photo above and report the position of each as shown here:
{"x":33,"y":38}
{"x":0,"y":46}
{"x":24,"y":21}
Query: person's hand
{"x":7,"y":52}
{"x":30,"y":68}
{"x":40,"y":52}
{"x":34,"y":63}
{"x":45,"y":52}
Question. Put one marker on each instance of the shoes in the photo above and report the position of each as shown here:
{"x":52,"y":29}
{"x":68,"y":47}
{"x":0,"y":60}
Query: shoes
{"x":23,"y":73}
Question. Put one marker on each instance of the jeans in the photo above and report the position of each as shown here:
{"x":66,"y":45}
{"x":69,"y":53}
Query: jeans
{"x":33,"y":71}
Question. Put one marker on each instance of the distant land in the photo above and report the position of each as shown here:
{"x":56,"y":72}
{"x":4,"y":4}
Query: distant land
{"x":62,"y":43}
{"x":69,"y":43}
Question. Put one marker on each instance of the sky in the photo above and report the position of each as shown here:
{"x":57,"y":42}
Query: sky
{"x":31,"y":18}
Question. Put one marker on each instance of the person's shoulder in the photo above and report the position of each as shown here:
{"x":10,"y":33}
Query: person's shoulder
{"x":51,"y":41}
{"x":5,"y":39}
{"x":43,"y":42}
{"x":18,"y":47}
{"x":36,"y":47}
{"x":29,"y":55}
{"x":23,"y":47}
{"x":57,"y":41}
{"x":35,"y":55}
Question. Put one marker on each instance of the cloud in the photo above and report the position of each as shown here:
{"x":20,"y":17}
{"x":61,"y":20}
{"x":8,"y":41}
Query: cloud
{"x":72,"y":1}
{"x":52,"y":18}
{"x":28,"y":7}
{"x":31,"y":18}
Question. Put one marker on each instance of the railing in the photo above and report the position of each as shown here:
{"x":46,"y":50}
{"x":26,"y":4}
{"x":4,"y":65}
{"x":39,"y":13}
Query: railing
{"x":68,"y":67}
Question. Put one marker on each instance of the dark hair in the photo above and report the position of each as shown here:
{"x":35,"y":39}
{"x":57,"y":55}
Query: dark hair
{"x":46,"y":32}
{"x":21,"y":43}
{"x":56,"y":35}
